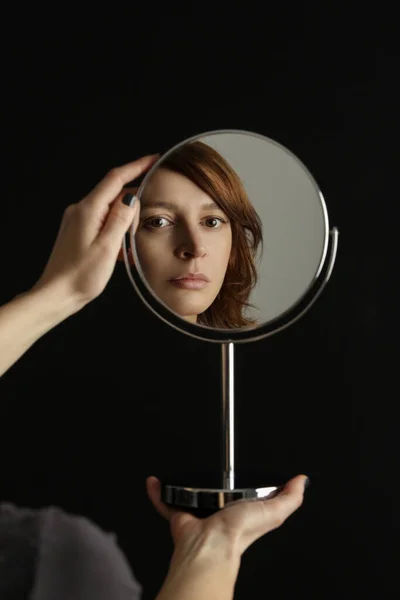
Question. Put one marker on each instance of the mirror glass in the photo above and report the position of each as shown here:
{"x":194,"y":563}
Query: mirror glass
{"x":233,"y":230}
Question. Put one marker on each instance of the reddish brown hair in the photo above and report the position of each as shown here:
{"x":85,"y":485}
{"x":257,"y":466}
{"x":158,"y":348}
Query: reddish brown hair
{"x":205,"y":167}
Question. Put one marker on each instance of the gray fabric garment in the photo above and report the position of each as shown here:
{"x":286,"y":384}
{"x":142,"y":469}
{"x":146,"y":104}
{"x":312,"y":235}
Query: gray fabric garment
{"x":48,"y":553}
{"x":19,"y":534}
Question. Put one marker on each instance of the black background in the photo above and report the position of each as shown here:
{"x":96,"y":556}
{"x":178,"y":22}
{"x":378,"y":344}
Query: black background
{"x":113,"y":395}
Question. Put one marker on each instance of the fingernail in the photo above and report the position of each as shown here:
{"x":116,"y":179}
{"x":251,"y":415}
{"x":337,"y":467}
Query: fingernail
{"x":306,"y":483}
{"x":127,"y":199}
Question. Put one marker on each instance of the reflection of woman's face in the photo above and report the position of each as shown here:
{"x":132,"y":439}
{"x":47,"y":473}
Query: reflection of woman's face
{"x":182,"y":232}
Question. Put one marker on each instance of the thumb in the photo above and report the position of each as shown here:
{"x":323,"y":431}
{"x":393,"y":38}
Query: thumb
{"x":124,"y":212}
{"x":153,"y":486}
{"x":180,"y":522}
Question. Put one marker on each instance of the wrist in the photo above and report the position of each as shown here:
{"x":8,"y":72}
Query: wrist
{"x":206,"y":552}
{"x":53,"y":303}
{"x":208,"y":564}
{"x":27,"y":318}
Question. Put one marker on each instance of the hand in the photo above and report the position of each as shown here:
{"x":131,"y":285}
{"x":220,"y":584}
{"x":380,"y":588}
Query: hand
{"x":239,"y":524}
{"x":120,"y":257}
{"x":91,"y":235}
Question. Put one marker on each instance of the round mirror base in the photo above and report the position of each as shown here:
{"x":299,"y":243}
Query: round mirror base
{"x":203,"y":502}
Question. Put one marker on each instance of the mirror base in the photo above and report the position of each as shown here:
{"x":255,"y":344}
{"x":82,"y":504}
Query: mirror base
{"x":203,"y":502}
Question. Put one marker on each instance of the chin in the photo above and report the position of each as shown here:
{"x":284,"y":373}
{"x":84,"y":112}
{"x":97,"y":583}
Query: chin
{"x":187,"y":310}
{"x":186,"y":304}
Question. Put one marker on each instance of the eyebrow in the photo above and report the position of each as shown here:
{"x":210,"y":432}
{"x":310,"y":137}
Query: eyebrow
{"x":172,"y":206}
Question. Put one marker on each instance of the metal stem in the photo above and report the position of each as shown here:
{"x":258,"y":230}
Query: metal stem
{"x":228,"y":408}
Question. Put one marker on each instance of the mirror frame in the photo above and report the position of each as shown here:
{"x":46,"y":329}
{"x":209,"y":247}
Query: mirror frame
{"x":216,"y":335}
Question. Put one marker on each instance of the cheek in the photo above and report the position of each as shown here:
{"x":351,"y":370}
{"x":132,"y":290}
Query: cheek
{"x":227,"y":246}
{"x":146,"y":250}
{"x":152,"y":255}
{"x":221,"y":253}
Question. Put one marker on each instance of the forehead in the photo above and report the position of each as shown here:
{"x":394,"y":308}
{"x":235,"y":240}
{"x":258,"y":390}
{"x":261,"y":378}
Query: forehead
{"x":170,"y":187}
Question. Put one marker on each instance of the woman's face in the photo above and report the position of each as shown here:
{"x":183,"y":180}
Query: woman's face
{"x":183,"y":243}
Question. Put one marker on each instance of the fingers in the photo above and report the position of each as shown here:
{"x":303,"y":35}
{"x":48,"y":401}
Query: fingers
{"x":153,"y":486}
{"x":254,"y":519}
{"x":120,"y":256}
{"x":288,"y":500}
{"x":278,"y":509}
{"x":117,"y":223}
{"x":180,"y":522}
{"x":105,"y":192}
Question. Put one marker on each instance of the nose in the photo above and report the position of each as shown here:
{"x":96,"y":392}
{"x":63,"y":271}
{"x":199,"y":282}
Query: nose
{"x":191,"y":246}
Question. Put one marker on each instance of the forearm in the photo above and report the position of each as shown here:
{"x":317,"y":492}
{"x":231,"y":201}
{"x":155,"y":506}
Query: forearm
{"x":203,"y":571}
{"x":26,"y":319}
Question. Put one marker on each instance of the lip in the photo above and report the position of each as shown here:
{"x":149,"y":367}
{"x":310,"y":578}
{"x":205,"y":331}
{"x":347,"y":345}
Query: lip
{"x":189,"y":284}
{"x":191,"y":276}
{"x":191,"y":281}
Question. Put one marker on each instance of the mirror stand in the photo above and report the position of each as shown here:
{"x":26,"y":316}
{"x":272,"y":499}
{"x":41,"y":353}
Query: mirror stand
{"x":206,"y":501}
{"x":228,"y":415}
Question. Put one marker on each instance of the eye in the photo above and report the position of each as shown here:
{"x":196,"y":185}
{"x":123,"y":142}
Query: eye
{"x":156,"y":223}
{"x":214,"y":222}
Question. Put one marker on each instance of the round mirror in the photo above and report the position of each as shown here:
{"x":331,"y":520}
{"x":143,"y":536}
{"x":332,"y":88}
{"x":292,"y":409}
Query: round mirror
{"x":233,"y":234}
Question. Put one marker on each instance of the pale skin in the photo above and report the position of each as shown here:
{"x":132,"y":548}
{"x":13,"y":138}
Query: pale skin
{"x":182,"y":230}
{"x":207,"y":552}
